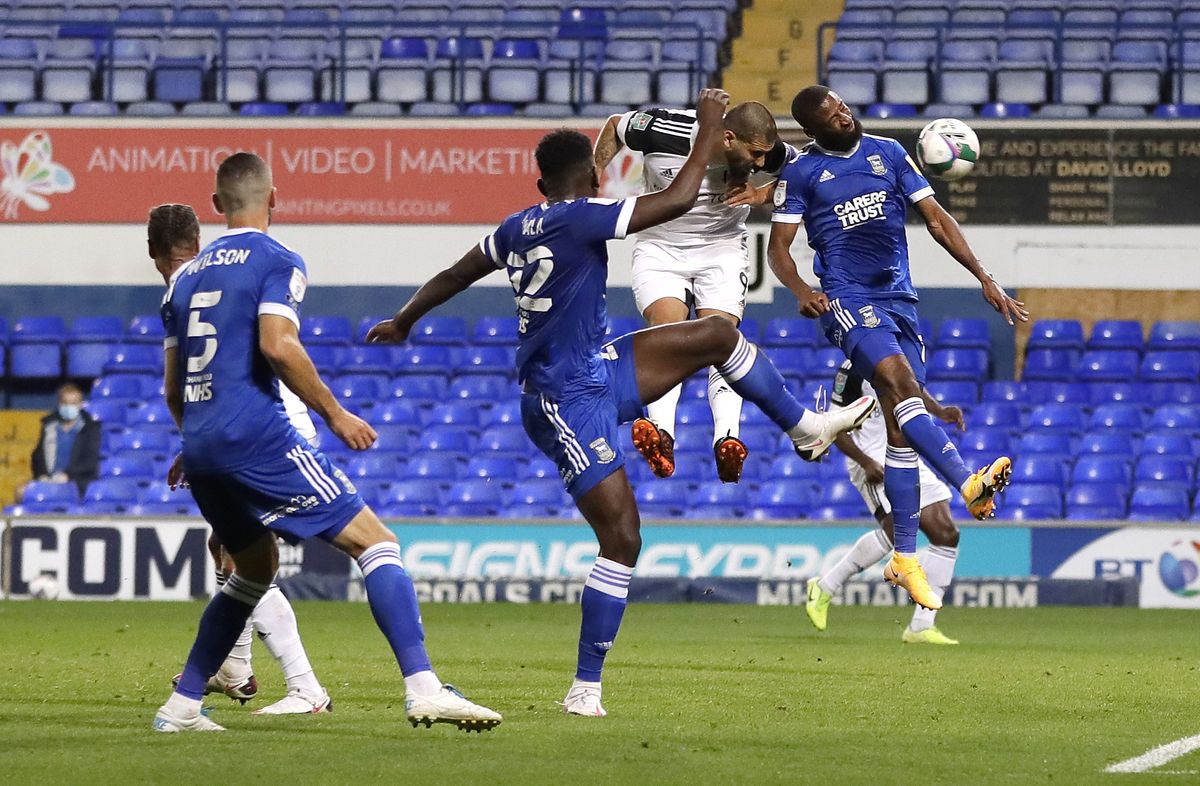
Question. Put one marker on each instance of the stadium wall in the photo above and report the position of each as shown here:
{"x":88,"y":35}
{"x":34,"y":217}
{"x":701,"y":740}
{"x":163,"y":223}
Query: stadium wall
{"x":1001,"y":564}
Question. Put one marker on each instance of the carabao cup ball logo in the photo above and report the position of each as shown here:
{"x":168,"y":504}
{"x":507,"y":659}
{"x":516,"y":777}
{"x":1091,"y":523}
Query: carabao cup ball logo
{"x":1179,"y":568}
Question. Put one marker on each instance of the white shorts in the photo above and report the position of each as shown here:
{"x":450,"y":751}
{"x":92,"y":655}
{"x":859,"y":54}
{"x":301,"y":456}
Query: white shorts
{"x":716,"y":275}
{"x":933,"y":490}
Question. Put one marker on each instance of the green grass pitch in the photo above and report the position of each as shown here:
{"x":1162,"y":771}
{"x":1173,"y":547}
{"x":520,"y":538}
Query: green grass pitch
{"x":701,"y":694}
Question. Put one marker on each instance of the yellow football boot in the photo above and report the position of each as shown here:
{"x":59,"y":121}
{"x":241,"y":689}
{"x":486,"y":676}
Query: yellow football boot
{"x":817,"y":605}
{"x":927,"y":636}
{"x":979,"y":492}
{"x":906,"y":572}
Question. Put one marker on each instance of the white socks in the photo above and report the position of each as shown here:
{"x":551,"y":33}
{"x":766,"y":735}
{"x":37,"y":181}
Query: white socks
{"x":662,"y":412}
{"x":422,"y":683}
{"x":809,"y":428}
{"x":182,"y":707}
{"x":866,"y":551}
{"x":939,"y":569}
{"x":726,"y":407}
{"x":275,"y":622}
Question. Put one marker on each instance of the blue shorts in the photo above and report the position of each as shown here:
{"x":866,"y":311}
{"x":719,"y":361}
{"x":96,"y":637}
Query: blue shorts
{"x":578,"y":431}
{"x":299,"y":495}
{"x":868,"y":331}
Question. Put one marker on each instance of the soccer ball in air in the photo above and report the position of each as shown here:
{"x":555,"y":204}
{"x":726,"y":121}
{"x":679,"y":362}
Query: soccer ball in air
{"x":947,"y":149}
{"x":1179,"y":568}
{"x":43,"y":587}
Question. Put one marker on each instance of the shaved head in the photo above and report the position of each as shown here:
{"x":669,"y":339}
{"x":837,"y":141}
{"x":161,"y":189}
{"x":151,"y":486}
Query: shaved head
{"x":752,"y":122}
{"x":243,"y":184}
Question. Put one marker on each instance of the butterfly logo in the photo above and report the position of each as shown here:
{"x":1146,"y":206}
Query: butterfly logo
{"x":31,"y":175}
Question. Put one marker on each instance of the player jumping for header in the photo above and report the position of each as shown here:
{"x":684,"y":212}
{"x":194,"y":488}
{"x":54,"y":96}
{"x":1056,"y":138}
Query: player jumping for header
{"x":232,"y":335}
{"x":851,"y":190}
{"x":577,"y":392}
{"x":700,"y":257}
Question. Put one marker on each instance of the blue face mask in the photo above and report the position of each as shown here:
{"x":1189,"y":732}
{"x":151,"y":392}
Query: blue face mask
{"x":68,"y":412}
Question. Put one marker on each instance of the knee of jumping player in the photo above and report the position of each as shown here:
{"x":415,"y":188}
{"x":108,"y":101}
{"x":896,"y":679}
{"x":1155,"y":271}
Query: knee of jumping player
{"x":719,"y":336}
{"x":623,"y":543}
{"x":939,"y":527}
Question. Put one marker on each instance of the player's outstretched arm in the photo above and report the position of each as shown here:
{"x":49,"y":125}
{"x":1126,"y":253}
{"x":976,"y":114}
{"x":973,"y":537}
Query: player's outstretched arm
{"x":678,"y":198}
{"x":812,"y":304}
{"x":473,"y":266}
{"x":279,"y":341}
{"x":946,"y":232}
{"x":608,"y":144}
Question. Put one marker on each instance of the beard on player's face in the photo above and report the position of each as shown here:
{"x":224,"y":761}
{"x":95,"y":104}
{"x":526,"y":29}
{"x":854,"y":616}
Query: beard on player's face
{"x":840,"y":139}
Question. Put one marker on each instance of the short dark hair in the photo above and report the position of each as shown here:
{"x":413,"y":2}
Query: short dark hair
{"x":752,"y":122}
{"x":237,"y":179}
{"x":562,"y":152}
{"x":170,"y":226}
{"x":808,"y":101}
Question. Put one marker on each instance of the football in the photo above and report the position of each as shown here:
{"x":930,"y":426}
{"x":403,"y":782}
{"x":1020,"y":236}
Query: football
{"x":947,"y":149}
{"x":43,"y":587}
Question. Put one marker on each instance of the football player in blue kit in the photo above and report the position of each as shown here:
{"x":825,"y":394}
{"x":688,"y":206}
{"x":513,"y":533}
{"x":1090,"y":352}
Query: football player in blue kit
{"x":851,"y":190}
{"x":232,"y":336}
{"x":576,"y":391}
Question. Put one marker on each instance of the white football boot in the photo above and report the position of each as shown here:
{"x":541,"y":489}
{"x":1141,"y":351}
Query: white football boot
{"x":166,"y":721}
{"x":449,"y":706}
{"x":834,"y":423}
{"x":583,"y":699}
{"x":296,"y":703}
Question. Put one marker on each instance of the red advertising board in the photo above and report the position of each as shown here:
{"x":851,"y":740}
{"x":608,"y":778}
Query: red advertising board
{"x":323,"y":175}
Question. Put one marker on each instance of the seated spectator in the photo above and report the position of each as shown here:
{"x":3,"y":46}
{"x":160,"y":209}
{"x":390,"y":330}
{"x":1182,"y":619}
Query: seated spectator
{"x":68,"y":450}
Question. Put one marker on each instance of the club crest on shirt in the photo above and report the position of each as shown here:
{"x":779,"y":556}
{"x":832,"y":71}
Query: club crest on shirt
{"x":869,"y":317}
{"x":604,"y":453}
{"x":298,"y":285}
{"x":780,"y":193}
{"x":640,"y":121}
{"x":876,"y":162}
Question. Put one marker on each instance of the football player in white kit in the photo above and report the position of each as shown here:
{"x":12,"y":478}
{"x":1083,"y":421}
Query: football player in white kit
{"x":864,"y":451}
{"x":701,"y":258}
{"x":174,"y":240}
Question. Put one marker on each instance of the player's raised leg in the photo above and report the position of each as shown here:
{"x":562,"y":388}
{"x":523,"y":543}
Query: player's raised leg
{"x":654,"y":435}
{"x":394,"y":605}
{"x":220,"y":625}
{"x":728,"y":449}
{"x":669,"y":354}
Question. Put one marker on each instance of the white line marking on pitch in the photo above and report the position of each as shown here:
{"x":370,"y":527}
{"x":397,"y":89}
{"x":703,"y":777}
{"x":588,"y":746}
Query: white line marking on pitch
{"x":1157,"y":757}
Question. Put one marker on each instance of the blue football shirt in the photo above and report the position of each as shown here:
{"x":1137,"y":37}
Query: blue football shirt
{"x":853,"y":207}
{"x":557,"y":261}
{"x":232,"y":412}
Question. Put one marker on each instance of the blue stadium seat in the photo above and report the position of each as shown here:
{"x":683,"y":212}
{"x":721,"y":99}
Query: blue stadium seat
{"x":965,"y":75}
{"x":1120,"y":417}
{"x":841,"y":493}
{"x":783,"y":499}
{"x":434,"y":468}
{"x":504,"y":413}
{"x":988,"y":440}
{"x":1057,"y":417}
{"x":1034,"y":501}
{"x":425,"y":359}
{"x":791,"y":467}
{"x":800,"y":361}
{"x":1153,"y":502}
{"x":1112,"y":443}
{"x":542,"y":468}
{"x":1050,"y":365}
{"x":1056,"y":334}
{"x":672,"y":494}
{"x":473,"y":498}
{"x":1167,"y":443}
{"x":1077,"y":393}
{"x":1172,"y":393}
{"x":108,"y":412}
{"x":1040,"y":469}
{"x":509,"y":439}
{"x":1160,"y":366}
{"x":411,"y":498}
{"x":1165,"y":470}
{"x":495,"y":330}
{"x":792,"y":332}
{"x":961,"y":393}
{"x":374,"y":466}
{"x":1094,"y":501}
{"x":120,"y":387}
{"x":1115,"y":392}
{"x":1176,"y":416}
{"x":135,"y":359}
{"x":1108,"y":365}
{"x":454,"y":413}
{"x":135,"y":467}
{"x":956,"y":363}
{"x":326,"y":357}
{"x":1044,"y":442}
{"x":995,"y":414}
{"x":145,"y":330}
{"x":885,"y":111}
{"x":96,"y":329}
{"x":395,"y":413}
{"x":440,"y":330}
{"x":487,"y":360}
{"x":451,"y":439}
{"x":87,"y":360}
{"x":149,"y":441}
{"x":1001,"y":110}
{"x":1098,"y":468}
{"x":1116,"y":334}
{"x":1174,"y":335}
{"x":360,"y":388}
{"x":370,"y":359}
{"x":1136,"y":72}
{"x":964,"y":334}
{"x":484,"y":389}
{"x":153,"y":412}
{"x":420,"y":387}
{"x":326,"y":330}
{"x":64,"y":494}
{"x":539,"y":492}
{"x":393,"y":438}
{"x":498,"y":469}
{"x":730,"y":498}
{"x":117,"y":494}
{"x":999,"y":391}
{"x":40,"y":330}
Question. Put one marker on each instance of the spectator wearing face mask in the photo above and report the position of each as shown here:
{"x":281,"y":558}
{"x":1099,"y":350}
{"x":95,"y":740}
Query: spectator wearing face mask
{"x":68,"y":450}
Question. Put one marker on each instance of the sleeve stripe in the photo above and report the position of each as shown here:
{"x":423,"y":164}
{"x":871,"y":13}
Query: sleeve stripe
{"x":279,"y":310}
{"x":488,"y":246}
{"x":787,"y":218}
{"x":170,"y":342}
{"x":920,"y":194}
{"x":622,"y":228}
{"x":672,"y":132}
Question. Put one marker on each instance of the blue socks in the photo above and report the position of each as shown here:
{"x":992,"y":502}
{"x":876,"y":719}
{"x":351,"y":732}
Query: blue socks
{"x":902,"y":484}
{"x":605,"y":594}
{"x":394,"y":604}
{"x":754,"y":377}
{"x":222,"y":622}
{"x":930,"y":441}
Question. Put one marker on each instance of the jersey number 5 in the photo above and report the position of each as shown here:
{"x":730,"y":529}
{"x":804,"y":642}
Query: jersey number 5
{"x":198,"y":328}
{"x":529,"y":272}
